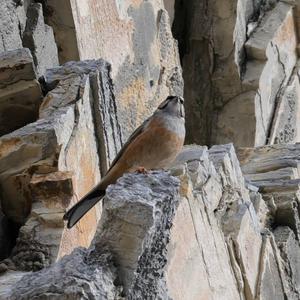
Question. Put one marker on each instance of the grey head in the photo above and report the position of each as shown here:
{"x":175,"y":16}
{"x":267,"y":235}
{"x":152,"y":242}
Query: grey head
{"x":173,"y":106}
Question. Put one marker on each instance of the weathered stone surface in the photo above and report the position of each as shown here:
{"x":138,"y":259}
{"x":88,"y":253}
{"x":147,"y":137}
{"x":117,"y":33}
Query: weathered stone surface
{"x":257,"y":44}
{"x":197,"y":236}
{"x":170,"y":7}
{"x":80,"y":275}
{"x":281,"y":55}
{"x":58,"y":15}
{"x":54,"y":188}
{"x":275,"y":171}
{"x":139,"y":45}
{"x":21,"y":27}
{"x":19,"y":104}
{"x":107,"y":125}
{"x":7,"y":282}
{"x":20,"y":92}
{"x":209,"y":234}
{"x":16,"y":65}
{"x":286,"y":126}
{"x":289,"y":251}
{"x":56,"y":160}
{"x":270,"y":284}
{"x":273,"y":40}
{"x":197,"y":246}
{"x":39,"y":38}
{"x":136,"y":226}
{"x":9,"y":22}
{"x":229,"y":126}
{"x":236,"y":92}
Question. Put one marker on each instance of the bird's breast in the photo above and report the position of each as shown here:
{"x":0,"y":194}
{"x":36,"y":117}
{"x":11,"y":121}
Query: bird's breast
{"x":157,"y":146}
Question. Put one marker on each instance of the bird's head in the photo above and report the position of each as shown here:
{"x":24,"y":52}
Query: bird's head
{"x":173,"y":105}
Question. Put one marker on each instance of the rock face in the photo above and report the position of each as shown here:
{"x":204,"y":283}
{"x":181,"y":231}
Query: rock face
{"x":246,"y":91}
{"x":39,"y":38}
{"x":222,"y":222}
{"x":22,"y":25}
{"x":89,"y":109}
{"x":203,"y":235}
{"x":57,"y":159}
{"x":20,"y":92}
{"x":135,"y":38}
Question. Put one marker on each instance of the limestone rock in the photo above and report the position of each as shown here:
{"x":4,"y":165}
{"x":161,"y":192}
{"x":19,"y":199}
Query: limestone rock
{"x":71,"y":77}
{"x":39,"y":38}
{"x":139,"y":45}
{"x":80,"y":275}
{"x":271,"y":281}
{"x":20,"y":92}
{"x":198,"y":236}
{"x":136,"y":225}
{"x":10,"y":36}
{"x":239,"y":92}
{"x":289,"y":251}
{"x":286,"y":128}
{"x":59,"y":16}
{"x":57,"y":159}
{"x":218,"y":225}
{"x":16,"y":65}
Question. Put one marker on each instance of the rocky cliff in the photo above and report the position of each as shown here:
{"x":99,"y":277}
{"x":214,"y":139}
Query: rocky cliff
{"x":77,"y":77}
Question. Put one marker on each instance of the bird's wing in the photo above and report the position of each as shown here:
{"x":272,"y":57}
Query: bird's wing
{"x":133,"y":136}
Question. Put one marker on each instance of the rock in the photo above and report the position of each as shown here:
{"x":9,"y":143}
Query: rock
{"x":22,"y":25}
{"x":289,"y":251}
{"x":200,"y":235}
{"x":7,"y":282}
{"x":270,"y":283}
{"x":230,"y":128}
{"x":261,"y":160}
{"x":146,"y":209}
{"x":3,"y":268}
{"x":57,"y":160}
{"x":231,"y":86}
{"x":59,"y":16}
{"x":213,"y":227}
{"x":274,"y":40}
{"x":53,"y":189}
{"x":71,"y":78}
{"x":286,"y":128}
{"x":10,"y":34}
{"x":257,"y":44}
{"x":138,"y":44}
{"x":16,"y":65}
{"x":274,"y":169}
{"x":39,"y":38}
{"x":170,"y":7}
{"x":77,"y":276}
{"x":20,"y":92}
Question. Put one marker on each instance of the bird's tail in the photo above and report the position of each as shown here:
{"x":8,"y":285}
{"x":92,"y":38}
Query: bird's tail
{"x":75,"y":213}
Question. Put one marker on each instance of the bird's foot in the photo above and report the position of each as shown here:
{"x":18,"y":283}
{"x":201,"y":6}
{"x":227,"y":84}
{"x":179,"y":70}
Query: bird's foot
{"x":141,"y":170}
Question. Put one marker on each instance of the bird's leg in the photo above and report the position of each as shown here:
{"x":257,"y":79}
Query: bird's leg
{"x":141,"y":170}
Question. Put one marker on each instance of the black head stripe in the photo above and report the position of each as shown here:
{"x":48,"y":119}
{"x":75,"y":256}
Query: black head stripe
{"x":163,"y":104}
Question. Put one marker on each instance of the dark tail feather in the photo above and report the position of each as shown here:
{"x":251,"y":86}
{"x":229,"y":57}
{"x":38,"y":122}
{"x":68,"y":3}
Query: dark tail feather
{"x":75,"y":213}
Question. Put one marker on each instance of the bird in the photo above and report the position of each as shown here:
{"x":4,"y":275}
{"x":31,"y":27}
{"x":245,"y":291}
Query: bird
{"x":153,"y":145}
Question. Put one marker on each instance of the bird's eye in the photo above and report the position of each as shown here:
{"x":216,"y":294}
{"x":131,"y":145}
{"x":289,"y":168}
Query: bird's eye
{"x":181,"y":100}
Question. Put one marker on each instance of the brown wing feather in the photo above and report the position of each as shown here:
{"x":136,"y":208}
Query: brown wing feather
{"x":133,"y":136}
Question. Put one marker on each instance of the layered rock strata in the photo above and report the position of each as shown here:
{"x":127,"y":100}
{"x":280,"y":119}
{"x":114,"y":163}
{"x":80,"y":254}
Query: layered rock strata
{"x":215,"y":227}
{"x":240,"y":65}
{"x":201,"y":233}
